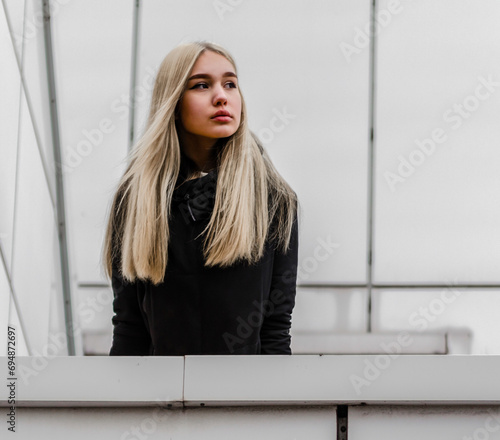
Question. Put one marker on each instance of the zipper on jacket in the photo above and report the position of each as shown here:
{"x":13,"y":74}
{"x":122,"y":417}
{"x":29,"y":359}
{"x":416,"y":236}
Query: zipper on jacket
{"x":186,"y":197}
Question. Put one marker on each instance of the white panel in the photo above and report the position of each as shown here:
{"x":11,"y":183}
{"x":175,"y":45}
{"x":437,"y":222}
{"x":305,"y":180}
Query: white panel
{"x":9,"y":115}
{"x":33,"y":258}
{"x":330,"y":311}
{"x":28,"y":39}
{"x":36,"y":82}
{"x":417,"y":423}
{"x":92,"y":49}
{"x":456,"y":310}
{"x":306,"y":100}
{"x":94,"y":308}
{"x":438,"y":74}
{"x":367,"y":343}
{"x":14,"y":10}
{"x":97,"y":343}
{"x":159,"y":423}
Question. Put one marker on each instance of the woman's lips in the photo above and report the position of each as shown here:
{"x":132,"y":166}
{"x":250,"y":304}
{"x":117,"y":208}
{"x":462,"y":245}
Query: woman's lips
{"x":222,"y":118}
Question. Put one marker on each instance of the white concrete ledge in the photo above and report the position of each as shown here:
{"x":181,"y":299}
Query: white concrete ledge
{"x":254,"y":380}
{"x":95,"y":381}
{"x":331,"y":379}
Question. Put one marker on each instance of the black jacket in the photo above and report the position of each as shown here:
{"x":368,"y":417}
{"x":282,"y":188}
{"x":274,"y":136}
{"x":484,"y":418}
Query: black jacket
{"x":197,"y":310}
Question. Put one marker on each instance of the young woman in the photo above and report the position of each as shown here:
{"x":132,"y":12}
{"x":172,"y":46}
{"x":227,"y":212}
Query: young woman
{"x":202,"y":239}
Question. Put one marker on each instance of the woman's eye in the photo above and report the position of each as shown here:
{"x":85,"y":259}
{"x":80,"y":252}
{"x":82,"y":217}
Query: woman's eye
{"x":200,"y":86}
{"x":230,"y":85}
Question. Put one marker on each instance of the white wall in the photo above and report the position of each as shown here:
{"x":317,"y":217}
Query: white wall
{"x":434,"y":221}
{"x":30,"y":271}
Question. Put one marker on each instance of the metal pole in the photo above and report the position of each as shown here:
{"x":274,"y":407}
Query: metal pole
{"x":60,"y":209}
{"x":371,"y":163}
{"x":133,"y":72}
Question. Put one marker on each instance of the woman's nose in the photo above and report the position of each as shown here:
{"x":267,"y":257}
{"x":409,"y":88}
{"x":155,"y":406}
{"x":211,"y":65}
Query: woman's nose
{"x":220,"y":96}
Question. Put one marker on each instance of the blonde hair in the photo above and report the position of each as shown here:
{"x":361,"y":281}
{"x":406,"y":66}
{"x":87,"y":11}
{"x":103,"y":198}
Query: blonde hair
{"x":251,"y":195}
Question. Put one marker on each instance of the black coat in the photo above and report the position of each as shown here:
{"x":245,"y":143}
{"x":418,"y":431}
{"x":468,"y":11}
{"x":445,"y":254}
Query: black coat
{"x":197,"y":310}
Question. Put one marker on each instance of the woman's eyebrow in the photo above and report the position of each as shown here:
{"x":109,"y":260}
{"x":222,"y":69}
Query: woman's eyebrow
{"x":206,"y":75}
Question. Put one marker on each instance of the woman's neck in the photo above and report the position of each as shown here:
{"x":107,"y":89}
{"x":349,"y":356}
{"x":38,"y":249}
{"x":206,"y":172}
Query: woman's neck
{"x":205,"y":159}
{"x":203,"y":152}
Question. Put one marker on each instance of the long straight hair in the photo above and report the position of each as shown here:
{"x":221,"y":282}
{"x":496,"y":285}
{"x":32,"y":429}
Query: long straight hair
{"x":251,"y":195}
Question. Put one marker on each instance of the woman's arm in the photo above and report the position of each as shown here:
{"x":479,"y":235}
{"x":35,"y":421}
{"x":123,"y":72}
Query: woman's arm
{"x":275,"y":332}
{"x":130,"y":335}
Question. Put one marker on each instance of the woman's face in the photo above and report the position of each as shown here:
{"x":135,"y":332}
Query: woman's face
{"x":211,"y":105}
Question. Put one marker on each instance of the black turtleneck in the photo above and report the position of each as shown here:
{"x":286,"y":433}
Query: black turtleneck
{"x":241,"y":309}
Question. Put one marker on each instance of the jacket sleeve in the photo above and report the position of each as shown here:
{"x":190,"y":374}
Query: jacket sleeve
{"x":130,"y":334}
{"x":275,"y":332}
